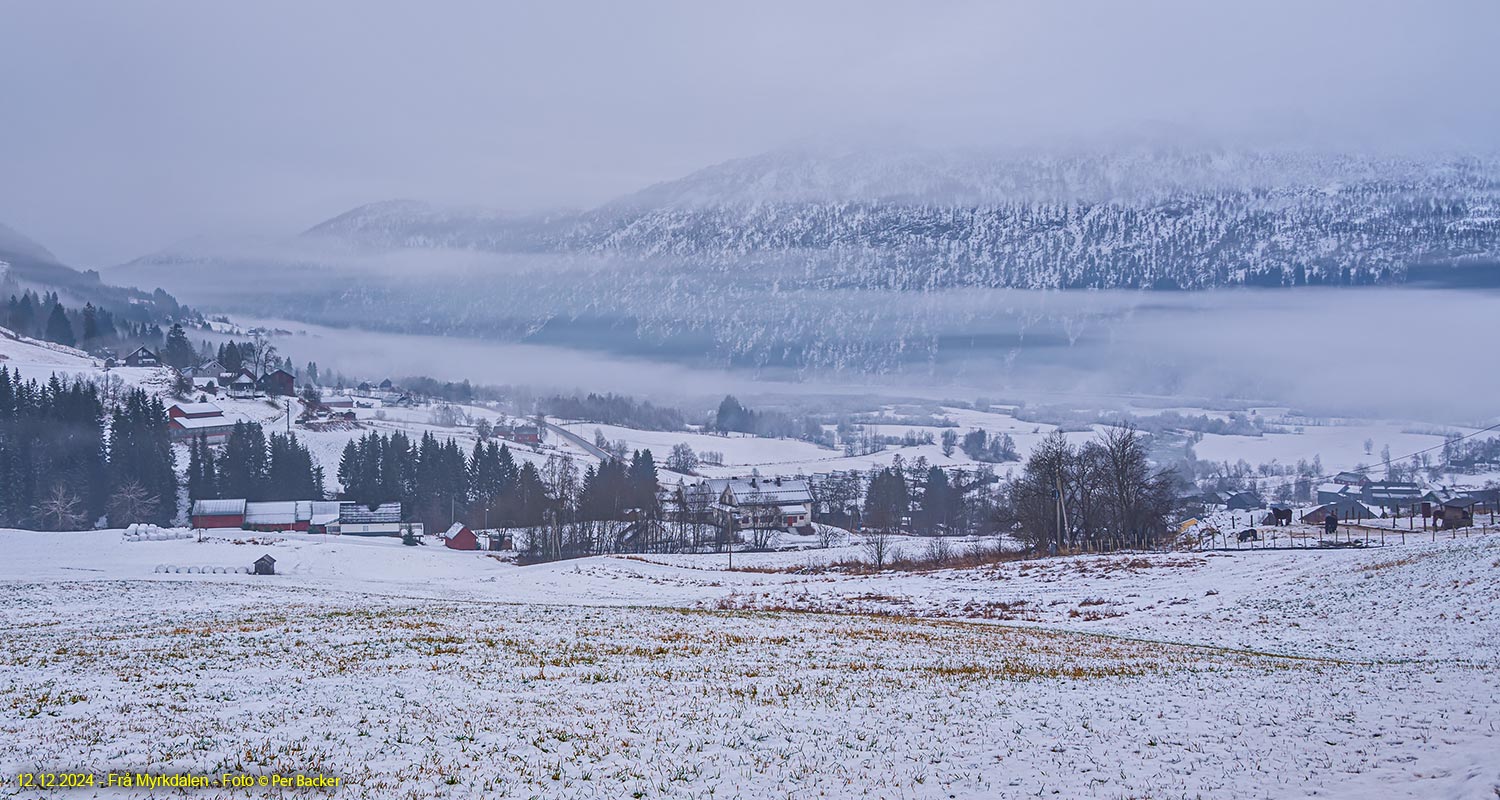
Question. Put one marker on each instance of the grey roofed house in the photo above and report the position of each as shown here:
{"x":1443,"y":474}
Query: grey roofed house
{"x":359,"y":513}
{"x":1335,"y":492}
{"x":761,"y":491}
{"x":1244,"y":501}
{"x":1351,"y":478}
{"x":142,"y":357}
{"x":1391,"y":494}
{"x":773,"y":502}
{"x":1216,"y":497}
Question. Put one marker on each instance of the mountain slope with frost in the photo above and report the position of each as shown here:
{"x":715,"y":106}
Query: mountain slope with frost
{"x":1143,"y":219}
{"x":864,"y":262}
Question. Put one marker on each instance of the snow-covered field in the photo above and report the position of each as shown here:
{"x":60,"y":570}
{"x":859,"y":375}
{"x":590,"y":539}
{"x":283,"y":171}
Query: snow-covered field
{"x":423,"y":672}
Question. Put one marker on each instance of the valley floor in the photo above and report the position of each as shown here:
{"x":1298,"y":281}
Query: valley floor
{"x":422,"y":672}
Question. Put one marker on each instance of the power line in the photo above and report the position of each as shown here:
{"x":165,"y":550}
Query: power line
{"x":1446,"y":441}
{"x":1361,"y":470}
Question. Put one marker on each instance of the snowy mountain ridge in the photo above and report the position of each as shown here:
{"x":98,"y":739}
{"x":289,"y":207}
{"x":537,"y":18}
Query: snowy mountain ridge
{"x":926,"y":221}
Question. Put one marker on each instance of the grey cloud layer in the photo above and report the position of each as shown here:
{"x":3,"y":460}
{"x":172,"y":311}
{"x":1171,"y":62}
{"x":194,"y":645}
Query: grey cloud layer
{"x":129,"y":126}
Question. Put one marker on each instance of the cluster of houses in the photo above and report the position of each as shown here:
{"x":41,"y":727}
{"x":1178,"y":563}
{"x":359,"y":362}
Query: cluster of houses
{"x":212,"y":378}
{"x":1353,"y":496}
{"x":387,"y":392}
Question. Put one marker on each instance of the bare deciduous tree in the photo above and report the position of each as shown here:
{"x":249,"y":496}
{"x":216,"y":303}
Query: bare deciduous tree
{"x":131,"y":503}
{"x":877,"y":546}
{"x":60,"y":510}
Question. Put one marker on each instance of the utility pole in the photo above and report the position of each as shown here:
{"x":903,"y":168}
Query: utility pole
{"x":732,"y":522}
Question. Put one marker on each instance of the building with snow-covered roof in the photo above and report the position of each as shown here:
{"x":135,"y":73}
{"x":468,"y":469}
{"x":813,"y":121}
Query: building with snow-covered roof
{"x":361,"y":520}
{"x":1351,"y":478}
{"x":142,"y":357}
{"x":761,"y":502}
{"x":214,"y":429}
{"x":194,"y":410}
{"x":241,"y":385}
{"x":1351,"y":509}
{"x":1391,"y":494}
{"x":316,"y":516}
{"x":1334,"y":492}
{"x":218,"y":513}
{"x":278,"y":383}
{"x":279,"y":515}
{"x":459,"y":537}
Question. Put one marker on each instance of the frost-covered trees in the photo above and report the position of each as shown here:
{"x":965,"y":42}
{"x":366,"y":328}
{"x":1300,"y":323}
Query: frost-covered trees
{"x":682,"y":459}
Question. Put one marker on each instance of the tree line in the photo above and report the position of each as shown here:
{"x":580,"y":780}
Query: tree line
{"x":69,"y":460}
{"x":437,"y":484}
{"x":253,"y":467}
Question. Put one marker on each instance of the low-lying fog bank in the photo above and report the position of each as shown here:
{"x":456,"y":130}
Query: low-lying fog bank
{"x":1395,"y":353}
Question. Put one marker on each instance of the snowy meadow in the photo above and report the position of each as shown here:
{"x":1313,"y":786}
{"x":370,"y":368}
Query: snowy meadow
{"x":1268,"y":674}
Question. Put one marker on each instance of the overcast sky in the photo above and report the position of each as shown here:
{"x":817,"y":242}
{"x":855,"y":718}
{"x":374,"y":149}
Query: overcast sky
{"x":125,"y":127}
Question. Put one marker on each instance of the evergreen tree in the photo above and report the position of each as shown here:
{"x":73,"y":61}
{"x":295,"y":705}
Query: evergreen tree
{"x":642,"y":477}
{"x":732,"y":416}
{"x":939,"y":503}
{"x":242,"y":469}
{"x":59,"y":329}
{"x":23,"y":315}
{"x":90,"y":325}
{"x":178,"y":351}
{"x":142,"y":471}
{"x":887,"y":500}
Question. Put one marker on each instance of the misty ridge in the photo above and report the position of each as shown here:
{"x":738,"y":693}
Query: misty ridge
{"x":851,"y":264}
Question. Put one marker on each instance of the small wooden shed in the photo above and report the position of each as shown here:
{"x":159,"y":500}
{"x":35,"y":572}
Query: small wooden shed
{"x":459,"y":537}
{"x":1457,"y":513}
{"x":265,"y":565}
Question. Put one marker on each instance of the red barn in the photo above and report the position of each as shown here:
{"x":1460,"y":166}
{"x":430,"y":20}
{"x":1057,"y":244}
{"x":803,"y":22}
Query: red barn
{"x":525,"y":434}
{"x":219,"y":514}
{"x":194,"y":411}
{"x":459,"y":537}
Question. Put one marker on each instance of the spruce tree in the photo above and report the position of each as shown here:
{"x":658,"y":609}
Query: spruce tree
{"x":59,"y":329}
